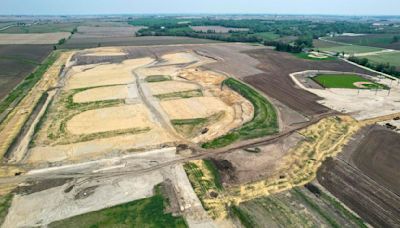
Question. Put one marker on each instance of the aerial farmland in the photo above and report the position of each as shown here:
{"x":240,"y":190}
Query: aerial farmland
{"x":171,"y":122}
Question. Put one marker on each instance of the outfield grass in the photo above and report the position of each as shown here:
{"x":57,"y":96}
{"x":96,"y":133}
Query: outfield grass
{"x":304,"y":55}
{"x":23,"y":88}
{"x":345,"y":81}
{"x":351,"y":49}
{"x":263,"y":123}
{"x":148,"y":212}
{"x":391,"y":58}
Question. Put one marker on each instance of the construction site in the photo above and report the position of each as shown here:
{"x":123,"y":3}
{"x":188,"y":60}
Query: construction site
{"x":223,"y":132}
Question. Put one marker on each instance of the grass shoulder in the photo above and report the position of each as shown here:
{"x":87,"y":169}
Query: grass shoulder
{"x":263,"y":123}
{"x":148,"y":212}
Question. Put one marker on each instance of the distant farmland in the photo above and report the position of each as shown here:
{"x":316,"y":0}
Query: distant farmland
{"x":391,"y":58}
{"x":217,"y":29}
{"x":41,"y":28}
{"x":375,"y":40}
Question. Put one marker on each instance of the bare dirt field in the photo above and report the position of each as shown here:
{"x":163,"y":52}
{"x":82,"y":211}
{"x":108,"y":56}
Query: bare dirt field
{"x":110,"y":119}
{"x":100,"y":75}
{"x":276,"y":83}
{"x":106,"y":31}
{"x":17,"y":61}
{"x":195,"y":107}
{"x":84,"y":42}
{"x":157,"y":88}
{"x":42,"y":38}
{"x":365,"y":176}
{"x":104,"y":93}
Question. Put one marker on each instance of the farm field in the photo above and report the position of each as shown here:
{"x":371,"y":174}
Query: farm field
{"x":346,"y":81}
{"x":44,"y":38}
{"x":42,"y":28}
{"x":364,"y":176}
{"x":350,"y":49}
{"x":298,"y":207}
{"x":106,"y":31}
{"x":17,"y":61}
{"x":374,"y":40}
{"x":267,"y":35}
{"x":392,"y":58}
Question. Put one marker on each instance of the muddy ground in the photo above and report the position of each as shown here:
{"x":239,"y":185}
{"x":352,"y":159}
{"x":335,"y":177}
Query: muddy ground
{"x":365,"y":176}
{"x":276,"y":83}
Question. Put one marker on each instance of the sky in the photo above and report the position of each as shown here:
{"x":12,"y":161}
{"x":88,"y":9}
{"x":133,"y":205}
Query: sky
{"x":76,"y":7}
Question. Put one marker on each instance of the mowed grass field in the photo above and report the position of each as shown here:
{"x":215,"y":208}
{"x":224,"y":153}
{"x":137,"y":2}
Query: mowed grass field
{"x":392,"y":58}
{"x":148,"y":212}
{"x":345,"y":81}
{"x":375,"y":40}
{"x":350,"y":49}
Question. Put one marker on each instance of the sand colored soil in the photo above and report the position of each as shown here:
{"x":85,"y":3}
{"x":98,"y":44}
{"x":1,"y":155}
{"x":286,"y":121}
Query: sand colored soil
{"x":179,"y":58}
{"x":157,"y":88}
{"x":103,"y":93}
{"x":203,"y":77}
{"x":317,"y":55}
{"x":106,"y":52}
{"x":109,"y":119}
{"x":11,"y":126}
{"x":361,"y":85}
{"x":195,"y":107}
{"x":99,"y":147}
{"x":109,"y":74}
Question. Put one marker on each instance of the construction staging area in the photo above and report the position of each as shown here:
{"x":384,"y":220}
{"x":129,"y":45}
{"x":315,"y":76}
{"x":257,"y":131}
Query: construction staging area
{"x":217,"y":126}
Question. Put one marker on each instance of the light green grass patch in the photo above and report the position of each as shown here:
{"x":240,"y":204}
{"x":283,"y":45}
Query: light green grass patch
{"x":148,"y":212}
{"x":351,"y":49}
{"x":391,"y":58}
{"x":263,"y":123}
{"x":158,"y":78}
{"x":345,"y":81}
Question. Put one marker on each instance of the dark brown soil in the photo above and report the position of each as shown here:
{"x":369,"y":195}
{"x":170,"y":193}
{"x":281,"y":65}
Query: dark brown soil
{"x":276,"y":82}
{"x":38,"y":186}
{"x":366,"y":176}
{"x":17,"y":62}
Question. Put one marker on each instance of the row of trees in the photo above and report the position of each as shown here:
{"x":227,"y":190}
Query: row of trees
{"x":381,"y":67}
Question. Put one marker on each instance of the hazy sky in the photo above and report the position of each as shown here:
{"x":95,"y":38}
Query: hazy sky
{"x":347,"y":7}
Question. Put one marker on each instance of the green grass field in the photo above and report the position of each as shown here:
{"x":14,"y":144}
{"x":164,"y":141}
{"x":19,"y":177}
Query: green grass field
{"x":391,"y":58}
{"x":263,"y":123}
{"x":42,"y":28}
{"x":350,"y":49}
{"x":374,"y":40}
{"x":345,"y":81}
{"x":148,"y":212}
{"x":157,"y":78}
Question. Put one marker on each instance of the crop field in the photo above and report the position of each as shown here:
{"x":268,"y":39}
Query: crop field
{"x":298,"y":207}
{"x":17,"y":61}
{"x":374,"y":40}
{"x":106,"y":31}
{"x":392,"y":58}
{"x":276,"y":82}
{"x":346,"y":81}
{"x":44,"y":38}
{"x":350,"y":49}
{"x":42,"y":28}
{"x":365,"y":177}
{"x":83,"y":42}
{"x":148,"y":212}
